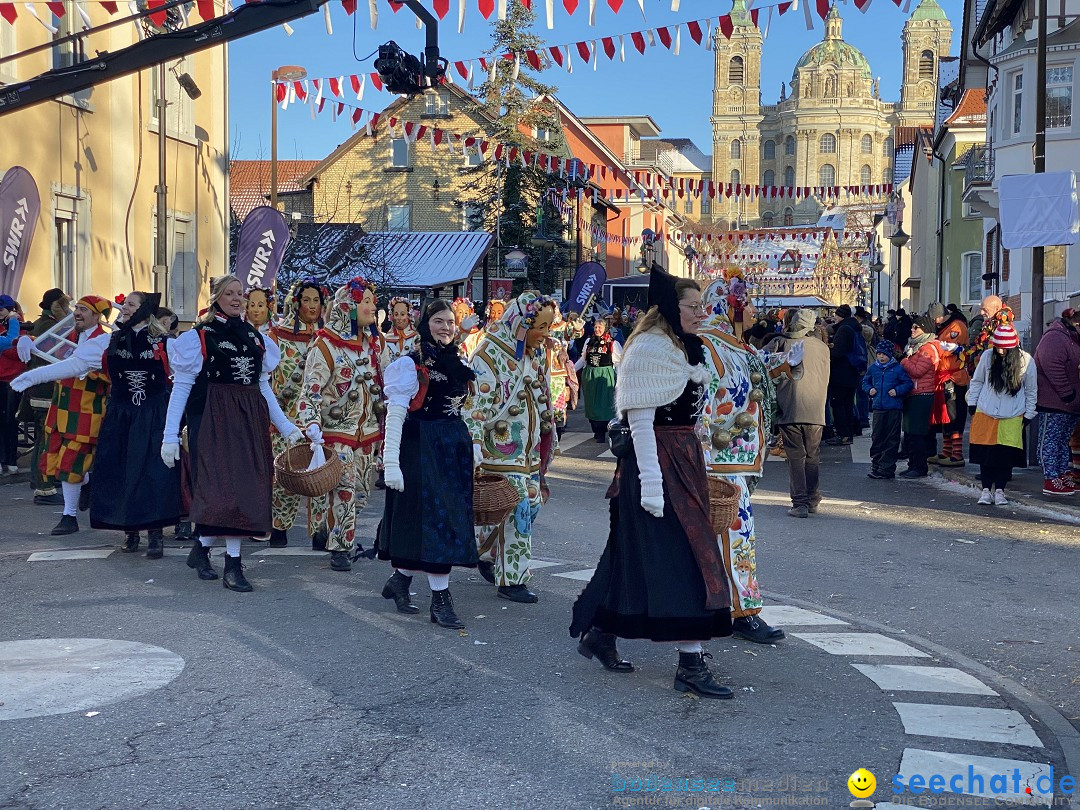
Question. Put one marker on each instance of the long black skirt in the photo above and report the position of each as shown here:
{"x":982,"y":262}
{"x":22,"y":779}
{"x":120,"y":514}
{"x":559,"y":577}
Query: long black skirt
{"x":132,"y":488}
{"x":429,"y":526}
{"x":648,"y":583}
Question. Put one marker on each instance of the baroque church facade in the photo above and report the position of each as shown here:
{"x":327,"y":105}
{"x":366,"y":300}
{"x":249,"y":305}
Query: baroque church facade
{"x":830,"y":127}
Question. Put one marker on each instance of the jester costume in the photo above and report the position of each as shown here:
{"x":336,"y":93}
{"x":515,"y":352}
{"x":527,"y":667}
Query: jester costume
{"x":507,"y":418}
{"x":293,"y":336}
{"x":342,"y":395}
{"x":739,"y":405}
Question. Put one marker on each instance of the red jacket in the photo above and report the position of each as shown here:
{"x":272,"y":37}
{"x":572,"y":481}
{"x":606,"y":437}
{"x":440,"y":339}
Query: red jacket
{"x":922,"y":367}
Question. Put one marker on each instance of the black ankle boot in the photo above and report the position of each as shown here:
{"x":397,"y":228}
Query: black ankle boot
{"x":234,"y":578}
{"x":155,"y":544}
{"x":131,"y":543}
{"x":602,"y":646}
{"x":278,"y":538}
{"x":397,"y":588}
{"x":442,"y":610}
{"x":693,"y":676}
{"x":339,"y":561}
{"x":487,"y":570}
{"x":199,"y":559}
{"x":182,"y":532}
{"x":754,"y":628}
{"x":318,"y":541}
{"x":68,"y":524}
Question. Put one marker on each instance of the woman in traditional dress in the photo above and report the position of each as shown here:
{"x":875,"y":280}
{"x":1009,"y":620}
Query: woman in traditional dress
{"x":598,"y":359}
{"x":661,"y":576}
{"x":428,"y":459}
{"x":221,"y":382}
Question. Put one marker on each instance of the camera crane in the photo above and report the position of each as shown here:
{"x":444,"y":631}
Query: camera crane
{"x":401,"y":73}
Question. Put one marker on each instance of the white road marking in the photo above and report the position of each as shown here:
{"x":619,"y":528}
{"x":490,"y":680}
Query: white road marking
{"x":927,"y":763}
{"x":581,"y":576}
{"x":909,"y":678}
{"x":967,"y":723}
{"x":784,"y":500}
{"x":266,"y":551}
{"x":786,"y":615}
{"x":571,"y":440}
{"x":606,"y":454}
{"x":860,"y":449}
{"x":77,"y":554}
{"x":533,"y":564}
{"x":860,"y":644}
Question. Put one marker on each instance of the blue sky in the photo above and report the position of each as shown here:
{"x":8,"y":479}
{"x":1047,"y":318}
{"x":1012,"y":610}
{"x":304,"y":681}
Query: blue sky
{"x":675,"y":90}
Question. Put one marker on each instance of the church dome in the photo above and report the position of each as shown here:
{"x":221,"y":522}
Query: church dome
{"x":834,"y":51}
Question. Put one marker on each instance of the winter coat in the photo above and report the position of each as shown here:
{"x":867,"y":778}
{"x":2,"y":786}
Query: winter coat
{"x":841,"y":371}
{"x":922,"y":366}
{"x":800,"y":397}
{"x":884,"y":379}
{"x":1057,"y":359}
{"x":1001,"y":405}
{"x":954,"y":330}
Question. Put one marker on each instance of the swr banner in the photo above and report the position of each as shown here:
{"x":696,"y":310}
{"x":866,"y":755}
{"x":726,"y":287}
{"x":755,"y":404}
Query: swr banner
{"x":261,"y":247}
{"x":19,"y":209}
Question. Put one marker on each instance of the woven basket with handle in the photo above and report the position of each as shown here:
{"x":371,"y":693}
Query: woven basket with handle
{"x":723,"y":504}
{"x":293,"y":474}
{"x":494,"y":498}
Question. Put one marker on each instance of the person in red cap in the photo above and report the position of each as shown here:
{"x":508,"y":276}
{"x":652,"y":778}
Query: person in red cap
{"x":1057,"y":359}
{"x":1001,"y":401}
{"x":78,"y":406}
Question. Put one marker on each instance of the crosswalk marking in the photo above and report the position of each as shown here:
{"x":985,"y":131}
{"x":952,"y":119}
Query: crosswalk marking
{"x":571,"y":440}
{"x":860,"y":644}
{"x":909,"y":678}
{"x":77,"y":554}
{"x":926,"y":763}
{"x":782,"y":615}
{"x":967,"y":723}
{"x":582,"y":576}
{"x":860,"y":450}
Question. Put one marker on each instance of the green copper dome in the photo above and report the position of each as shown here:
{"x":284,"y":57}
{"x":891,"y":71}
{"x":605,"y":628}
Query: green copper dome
{"x":929,"y":10}
{"x":834,"y":51}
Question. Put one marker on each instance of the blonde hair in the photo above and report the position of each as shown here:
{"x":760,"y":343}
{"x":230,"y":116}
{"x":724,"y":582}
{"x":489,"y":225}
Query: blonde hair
{"x":217,"y":287}
{"x":653,"y":319}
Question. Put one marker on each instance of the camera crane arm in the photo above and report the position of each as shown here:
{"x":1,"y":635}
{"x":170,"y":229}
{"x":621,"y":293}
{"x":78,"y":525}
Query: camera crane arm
{"x":246,"y":19}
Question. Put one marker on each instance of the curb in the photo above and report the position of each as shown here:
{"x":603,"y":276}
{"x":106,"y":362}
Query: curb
{"x":959,"y":475}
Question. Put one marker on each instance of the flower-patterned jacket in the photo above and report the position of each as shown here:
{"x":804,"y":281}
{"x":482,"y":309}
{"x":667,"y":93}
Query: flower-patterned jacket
{"x":287,"y":379}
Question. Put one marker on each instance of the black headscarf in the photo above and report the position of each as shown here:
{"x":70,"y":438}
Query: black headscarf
{"x":431,"y":353}
{"x":125,"y":331}
{"x":663,"y":296}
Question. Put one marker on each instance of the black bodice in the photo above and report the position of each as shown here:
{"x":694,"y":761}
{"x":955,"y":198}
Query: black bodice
{"x":231,"y":356}
{"x":685,"y":410}
{"x":445,"y":395}
{"x":136,"y":367}
{"x":598,"y":353}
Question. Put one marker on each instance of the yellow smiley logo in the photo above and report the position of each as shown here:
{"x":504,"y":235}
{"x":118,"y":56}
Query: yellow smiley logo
{"x":861,"y":783}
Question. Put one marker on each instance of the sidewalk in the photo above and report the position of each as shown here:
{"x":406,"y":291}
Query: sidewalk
{"x":1025,"y":487}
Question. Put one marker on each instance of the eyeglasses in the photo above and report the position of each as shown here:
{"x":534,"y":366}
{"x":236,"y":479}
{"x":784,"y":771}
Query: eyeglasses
{"x":701,"y":309}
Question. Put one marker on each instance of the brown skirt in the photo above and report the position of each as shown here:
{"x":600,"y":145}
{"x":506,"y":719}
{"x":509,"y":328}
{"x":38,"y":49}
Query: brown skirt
{"x":232,"y":463}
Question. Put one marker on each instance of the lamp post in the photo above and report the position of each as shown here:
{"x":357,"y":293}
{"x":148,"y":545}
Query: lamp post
{"x":286,"y":73}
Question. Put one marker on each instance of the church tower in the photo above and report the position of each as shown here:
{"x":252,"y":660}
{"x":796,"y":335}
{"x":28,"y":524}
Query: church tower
{"x":926,"y":39}
{"x":736,"y":115}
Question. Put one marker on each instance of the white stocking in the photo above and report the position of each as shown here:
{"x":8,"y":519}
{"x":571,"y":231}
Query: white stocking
{"x":688,"y":646}
{"x":405,"y":572}
{"x":438,"y":582}
{"x":71,"y":498}
{"x":232,"y":546}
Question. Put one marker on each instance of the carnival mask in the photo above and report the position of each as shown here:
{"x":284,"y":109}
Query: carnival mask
{"x":257,"y":311}
{"x":366,"y":309}
{"x":400,"y":316}
{"x":540,"y":329}
{"x":310,"y":306}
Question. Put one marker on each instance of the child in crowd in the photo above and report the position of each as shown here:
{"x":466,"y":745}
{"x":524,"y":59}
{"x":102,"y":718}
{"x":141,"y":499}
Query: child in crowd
{"x":887,"y":384}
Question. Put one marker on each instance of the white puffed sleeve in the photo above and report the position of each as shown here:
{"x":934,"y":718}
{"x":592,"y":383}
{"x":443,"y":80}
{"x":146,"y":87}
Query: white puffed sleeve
{"x":185,"y":362}
{"x":616,"y":352}
{"x":400,"y":381}
{"x":85,"y":358}
{"x":271,"y":357}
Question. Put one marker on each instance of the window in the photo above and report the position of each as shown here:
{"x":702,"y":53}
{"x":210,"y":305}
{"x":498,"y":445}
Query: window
{"x":789,"y":176}
{"x":789,"y":217}
{"x":473,"y":157}
{"x":436,"y":104}
{"x":736,"y":73}
{"x":973,"y":283}
{"x":736,"y":149}
{"x":68,"y":53}
{"x":1054,"y":271}
{"x":706,"y":205}
{"x":1059,"y":97}
{"x":789,"y":145}
{"x":472,"y":217}
{"x":65,"y":242}
{"x":826,"y":175}
{"x":768,"y":179}
{"x":926,"y":65}
{"x":399,"y":153}
{"x":543,"y":134}
{"x":886,"y":176}
{"x":887,"y":148}
{"x":688,"y":206}
{"x":767,"y":219}
{"x":867,"y":145}
{"x":735,"y":177}
{"x":1018,"y":102}
{"x":397,"y":218}
{"x":828,"y":144}
{"x":179,"y":109}
{"x":866,"y":176}
{"x":969,"y":211}
{"x":184,"y":273}
{"x":770,"y":150}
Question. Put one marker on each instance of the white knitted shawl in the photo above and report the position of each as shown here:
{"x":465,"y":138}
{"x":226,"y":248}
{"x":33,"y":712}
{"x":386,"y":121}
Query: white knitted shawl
{"x":653,"y":372}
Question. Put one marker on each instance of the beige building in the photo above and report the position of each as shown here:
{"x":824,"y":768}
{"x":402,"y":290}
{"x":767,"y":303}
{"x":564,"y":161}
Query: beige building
{"x":829,"y":128}
{"x":94,"y":157}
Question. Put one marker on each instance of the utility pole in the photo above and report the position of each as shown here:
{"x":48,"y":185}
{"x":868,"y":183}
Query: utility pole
{"x":161,"y":254}
{"x":1038,"y":254}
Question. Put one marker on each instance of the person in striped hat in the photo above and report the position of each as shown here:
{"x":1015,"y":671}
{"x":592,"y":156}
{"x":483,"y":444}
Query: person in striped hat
{"x":1001,"y":400}
{"x":78,"y":406}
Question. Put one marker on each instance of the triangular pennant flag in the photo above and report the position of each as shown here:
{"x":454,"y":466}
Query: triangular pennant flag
{"x":110,"y":7}
{"x":583,"y":50}
{"x":726,"y":28}
{"x":609,"y":47}
{"x":570,"y":6}
{"x":461,"y":17}
{"x":665,"y":36}
{"x":694,"y":27}
{"x":533,"y":58}
{"x":557,"y":54}
{"x":335,"y":86}
{"x":486,"y":7}
{"x":375,"y":80}
{"x":639,"y":41}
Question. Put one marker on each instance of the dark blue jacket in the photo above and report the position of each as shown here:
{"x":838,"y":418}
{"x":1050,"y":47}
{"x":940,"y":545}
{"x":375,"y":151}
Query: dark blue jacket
{"x":884,"y":379}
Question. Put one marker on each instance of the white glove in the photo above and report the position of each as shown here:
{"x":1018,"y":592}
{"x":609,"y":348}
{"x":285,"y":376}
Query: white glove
{"x":393,"y":477}
{"x":477,"y":456}
{"x":652,"y":499}
{"x":24,"y":346}
{"x":21,"y":383}
{"x":469,"y":322}
{"x":295,"y":437}
{"x":170,"y":454}
{"x":643,"y":434}
{"x":314,"y":434}
{"x":795,"y":354}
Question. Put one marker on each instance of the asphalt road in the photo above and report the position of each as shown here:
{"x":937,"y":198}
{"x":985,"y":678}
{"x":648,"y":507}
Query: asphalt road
{"x":312,"y":692}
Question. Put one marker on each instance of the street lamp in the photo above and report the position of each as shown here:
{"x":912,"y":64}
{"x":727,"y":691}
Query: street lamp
{"x":899,"y":238}
{"x":286,"y":73}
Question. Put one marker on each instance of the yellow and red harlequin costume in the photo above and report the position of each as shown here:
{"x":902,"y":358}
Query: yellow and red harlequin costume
{"x":342,"y":394}
{"x":400,"y":343}
{"x":294,"y":338}
{"x":77,"y":410}
{"x":508,"y":417}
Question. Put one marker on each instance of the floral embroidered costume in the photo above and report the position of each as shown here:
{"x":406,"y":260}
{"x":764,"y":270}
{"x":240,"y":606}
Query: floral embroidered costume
{"x":293,"y":335}
{"x":342,"y":398}
{"x":402,"y":338}
{"x":507,"y":418}
{"x":562,"y":377}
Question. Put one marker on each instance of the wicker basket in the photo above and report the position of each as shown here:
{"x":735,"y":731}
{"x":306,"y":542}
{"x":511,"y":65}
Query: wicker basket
{"x":494,"y":498}
{"x":294,"y":476}
{"x":723,"y":504}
